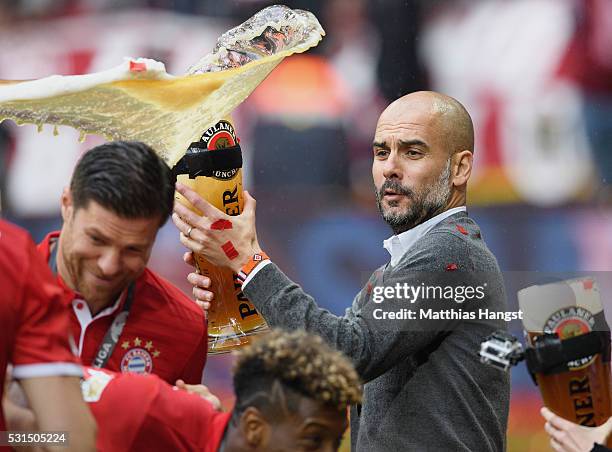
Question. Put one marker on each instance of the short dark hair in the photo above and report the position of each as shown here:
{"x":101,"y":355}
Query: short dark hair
{"x":280,"y":367}
{"x":126,"y":177}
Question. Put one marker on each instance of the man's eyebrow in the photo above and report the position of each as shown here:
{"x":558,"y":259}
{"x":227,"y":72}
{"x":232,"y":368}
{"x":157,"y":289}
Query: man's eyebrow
{"x":415,"y":142}
{"x":402,"y":144}
{"x":95,"y":231}
{"x":381,"y":145}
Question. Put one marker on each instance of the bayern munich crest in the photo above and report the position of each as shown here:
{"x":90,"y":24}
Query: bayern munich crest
{"x":571,"y":322}
{"x":139,"y":359}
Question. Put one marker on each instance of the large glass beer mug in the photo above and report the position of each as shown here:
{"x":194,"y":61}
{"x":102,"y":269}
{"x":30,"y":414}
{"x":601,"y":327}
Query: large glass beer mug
{"x":580,"y":391}
{"x":213,"y":168}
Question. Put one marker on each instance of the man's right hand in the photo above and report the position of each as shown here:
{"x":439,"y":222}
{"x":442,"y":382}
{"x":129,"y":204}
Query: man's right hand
{"x":203,"y":296}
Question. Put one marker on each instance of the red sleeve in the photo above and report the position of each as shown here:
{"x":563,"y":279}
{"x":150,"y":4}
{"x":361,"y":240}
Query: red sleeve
{"x":193,"y":373}
{"x":119,"y":403}
{"x":42,"y":345}
{"x":179,"y":421}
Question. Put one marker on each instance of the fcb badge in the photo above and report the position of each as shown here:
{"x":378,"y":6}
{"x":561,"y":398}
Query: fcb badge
{"x":138,"y":359}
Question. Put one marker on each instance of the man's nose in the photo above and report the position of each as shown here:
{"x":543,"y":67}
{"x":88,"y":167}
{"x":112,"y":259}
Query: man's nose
{"x":392,"y":168}
{"x":110,"y":263}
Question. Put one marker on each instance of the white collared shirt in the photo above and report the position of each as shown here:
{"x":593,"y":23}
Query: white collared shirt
{"x":398,"y":245}
{"x":83,"y":315}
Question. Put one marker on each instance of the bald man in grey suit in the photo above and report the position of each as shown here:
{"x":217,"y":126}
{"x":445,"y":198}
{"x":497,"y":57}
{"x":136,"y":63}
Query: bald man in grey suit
{"x":425,"y":388}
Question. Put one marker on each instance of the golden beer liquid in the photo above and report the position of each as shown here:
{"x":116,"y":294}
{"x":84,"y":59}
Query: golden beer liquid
{"x":232,"y":318}
{"x":580,"y":395}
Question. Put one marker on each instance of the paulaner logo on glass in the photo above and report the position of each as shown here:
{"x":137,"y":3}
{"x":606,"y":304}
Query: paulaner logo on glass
{"x":413,"y":293}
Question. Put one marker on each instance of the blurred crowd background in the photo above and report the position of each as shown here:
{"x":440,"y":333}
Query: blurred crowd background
{"x":536,"y":75}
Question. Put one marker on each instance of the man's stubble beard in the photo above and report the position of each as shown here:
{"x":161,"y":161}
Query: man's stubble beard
{"x":427,"y":203}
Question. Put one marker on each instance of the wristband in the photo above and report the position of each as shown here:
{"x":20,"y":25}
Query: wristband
{"x":252,"y":263}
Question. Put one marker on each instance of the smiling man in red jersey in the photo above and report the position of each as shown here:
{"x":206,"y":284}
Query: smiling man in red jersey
{"x":124,"y":317}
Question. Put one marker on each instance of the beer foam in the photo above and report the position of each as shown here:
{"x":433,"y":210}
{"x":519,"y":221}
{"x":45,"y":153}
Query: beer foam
{"x":59,"y":85}
{"x":165,"y":112}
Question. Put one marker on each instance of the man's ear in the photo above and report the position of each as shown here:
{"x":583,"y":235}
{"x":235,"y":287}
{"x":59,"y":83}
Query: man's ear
{"x":66,"y":204}
{"x":462,"y":167}
{"x":254,"y":428}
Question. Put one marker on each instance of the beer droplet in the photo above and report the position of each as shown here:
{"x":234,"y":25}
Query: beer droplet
{"x":39,"y":128}
{"x":55,"y":131}
{"x":82,"y":136}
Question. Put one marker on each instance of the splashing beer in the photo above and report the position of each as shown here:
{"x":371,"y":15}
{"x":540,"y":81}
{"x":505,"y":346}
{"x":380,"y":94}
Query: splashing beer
{"x":138,"y":100}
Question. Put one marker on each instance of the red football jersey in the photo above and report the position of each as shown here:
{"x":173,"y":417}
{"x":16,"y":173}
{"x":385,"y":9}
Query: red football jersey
{"x":33,"y":318}
{"x":165,"y":333}
{"x":144,"y":413}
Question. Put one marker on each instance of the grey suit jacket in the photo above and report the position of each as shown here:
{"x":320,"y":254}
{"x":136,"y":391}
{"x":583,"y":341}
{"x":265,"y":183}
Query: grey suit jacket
{"x":425,"y":388}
